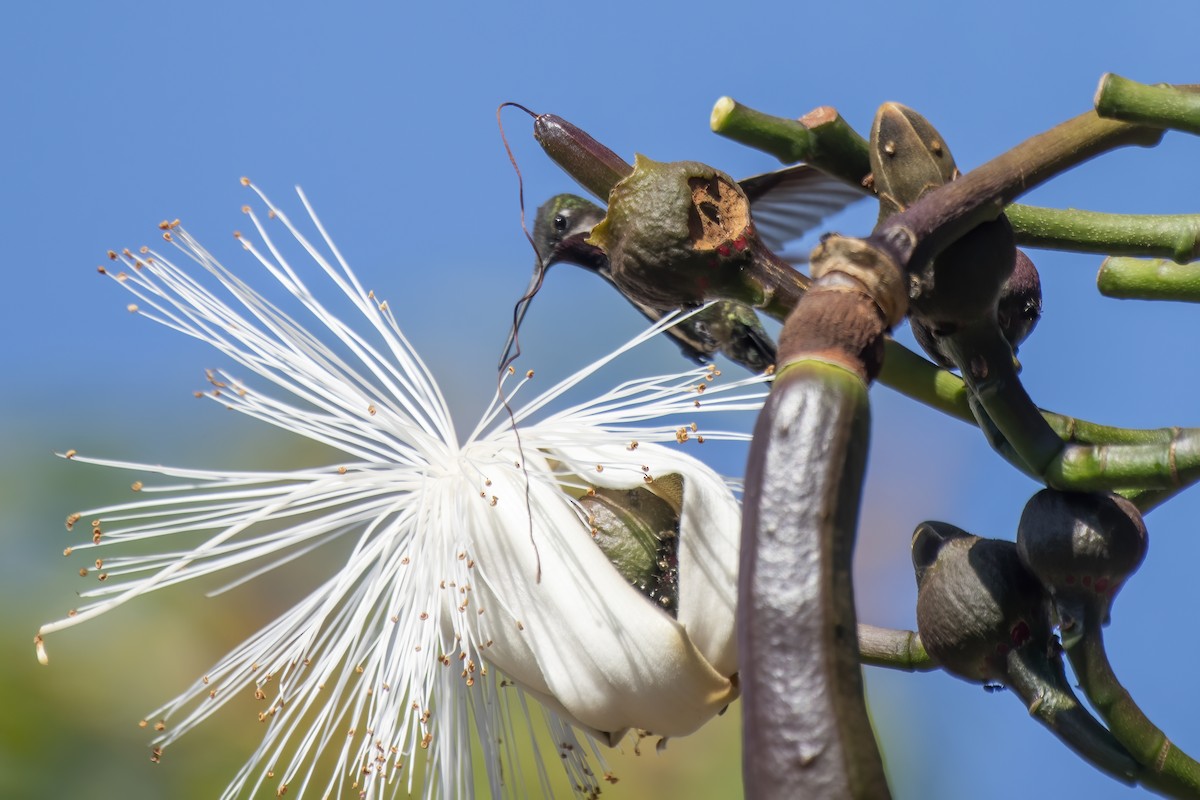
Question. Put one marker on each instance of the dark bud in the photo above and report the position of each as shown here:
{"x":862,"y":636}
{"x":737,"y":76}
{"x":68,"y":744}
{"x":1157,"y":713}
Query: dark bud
{"x":985,"y":617}
{"x":1017,"y":312}
{"x":1020,"y":304}
{"x":909,"y":159}
{"x":594,"y":166}
{"x":1082,"y":547}
{"x":976,"y":602}
{"x":908,"y":156}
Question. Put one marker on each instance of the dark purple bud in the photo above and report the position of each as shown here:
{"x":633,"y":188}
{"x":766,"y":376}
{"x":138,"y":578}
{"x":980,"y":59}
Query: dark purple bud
{"x":594,"y":166}
{"x":1082,"y":547}
{"x":975,"y":602}
{"x":1020,"y":304}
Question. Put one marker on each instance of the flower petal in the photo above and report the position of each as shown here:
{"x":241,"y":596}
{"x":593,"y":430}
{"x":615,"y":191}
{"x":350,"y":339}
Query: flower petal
{"x":709,"y":531}
{"x":584,"y":635}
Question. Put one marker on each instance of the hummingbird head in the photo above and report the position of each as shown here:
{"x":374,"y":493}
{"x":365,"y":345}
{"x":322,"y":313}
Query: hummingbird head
{"x":561,"y":229}
{"x":560,"y":232}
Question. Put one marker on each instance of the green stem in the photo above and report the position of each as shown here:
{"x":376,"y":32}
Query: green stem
{"x":1161,"y":106}
{"x":1149,"y":279}
{"x":1168,"y":769}
{"x":821,"y":138}
{"x":915,"y":377}
{"x":1054,"y":705}
{"x":1147,"y":500}
{"x":894,"y":649}
{"x":1072,"y":430}
{"x":1174,"y":236}
{"x":1152,"y":441}
{"x":1173,"y":465}
{"x":991,"y":378}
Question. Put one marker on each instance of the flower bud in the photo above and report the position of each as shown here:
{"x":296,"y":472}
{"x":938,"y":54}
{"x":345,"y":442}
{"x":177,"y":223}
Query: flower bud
{"x":985,"y":618}
{"x":1082,"y":547}
{"x":1017,"y":312}
{"x":677,"y":233}
{"x":909,"y":159}
{"x":975,"y":602}
{"x":1020,"y":305}
{"x":594,"y":166}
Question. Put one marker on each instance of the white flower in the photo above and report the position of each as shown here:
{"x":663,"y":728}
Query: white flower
{"x":472,"y":565}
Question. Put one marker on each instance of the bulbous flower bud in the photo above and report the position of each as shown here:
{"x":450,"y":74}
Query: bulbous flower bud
{"x":1017,"y":312}
{"x":975,"y":601}
{"x":986,"y":618}
{"x":1020,"y":305}
{"x":677,"y":233}
{"x":1082,"y":547}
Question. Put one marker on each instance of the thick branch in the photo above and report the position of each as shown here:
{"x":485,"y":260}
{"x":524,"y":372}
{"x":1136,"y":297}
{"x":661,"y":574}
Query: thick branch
{"x":943,"y":216}
{"x":806,"y":732}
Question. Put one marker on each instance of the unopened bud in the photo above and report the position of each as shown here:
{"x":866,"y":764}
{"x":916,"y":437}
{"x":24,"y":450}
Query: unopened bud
{"x":961,"y":285}
{"x":594,"y":166}
{"x":1082,"y":547}
{"x":975,"y":602}
{"x":679,"y":233}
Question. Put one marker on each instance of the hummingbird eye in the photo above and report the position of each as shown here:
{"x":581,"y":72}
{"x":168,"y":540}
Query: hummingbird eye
{"x":560,"y":222}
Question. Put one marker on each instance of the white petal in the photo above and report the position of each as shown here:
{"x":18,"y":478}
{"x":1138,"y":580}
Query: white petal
{"x":709,"y":533}
{"x":583,"y":634}
{"x":709,"y":528}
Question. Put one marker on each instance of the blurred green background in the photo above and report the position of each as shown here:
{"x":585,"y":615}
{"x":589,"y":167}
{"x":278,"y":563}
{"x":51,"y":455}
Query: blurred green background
{"x":120,"y":114}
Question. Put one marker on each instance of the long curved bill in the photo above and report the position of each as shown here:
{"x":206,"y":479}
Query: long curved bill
{"x":510,"y":346}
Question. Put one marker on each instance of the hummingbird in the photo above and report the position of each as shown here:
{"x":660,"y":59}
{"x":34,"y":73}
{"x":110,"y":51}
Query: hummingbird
{"x":784,"y":205}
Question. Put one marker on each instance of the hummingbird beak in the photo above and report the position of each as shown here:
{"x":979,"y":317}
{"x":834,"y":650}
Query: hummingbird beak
{"x":535,"y":283}
{"x":575,"y":249}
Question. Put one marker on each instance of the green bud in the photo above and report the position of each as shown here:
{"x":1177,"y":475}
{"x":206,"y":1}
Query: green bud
{"x":677,"y":233}
{"x":639,"y":533}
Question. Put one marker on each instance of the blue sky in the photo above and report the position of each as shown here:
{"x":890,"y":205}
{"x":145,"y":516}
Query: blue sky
{"x":120,"y":114}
